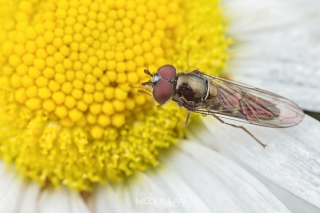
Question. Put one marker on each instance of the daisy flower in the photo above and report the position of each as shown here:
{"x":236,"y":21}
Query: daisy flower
{"x":75,"y":137}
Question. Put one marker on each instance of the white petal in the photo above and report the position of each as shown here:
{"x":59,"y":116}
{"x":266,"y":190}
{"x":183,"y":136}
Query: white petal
{"x":202,"y":179}
{"x":111,"y":198}
{"x":173,"y":184}
{"x":30,"y":197}
{"x":223,"y":185}
{"x":77,"y":204}
{"x":11,"y":188}
{"x":291,"y":159}
{"x":18,"y":195}
{"x":61,"y":200}
{"x":104,"y":200}
{"x":126,"y":197}
{"x":145,"y":192}
{"x":277,"y":47}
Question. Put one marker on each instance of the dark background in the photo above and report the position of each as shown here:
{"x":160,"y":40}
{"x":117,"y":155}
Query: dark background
{"x":313,"y":114}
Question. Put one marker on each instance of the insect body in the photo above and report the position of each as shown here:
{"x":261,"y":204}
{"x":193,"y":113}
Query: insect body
{"x":191,"y":90}
{"x":210,"y":95}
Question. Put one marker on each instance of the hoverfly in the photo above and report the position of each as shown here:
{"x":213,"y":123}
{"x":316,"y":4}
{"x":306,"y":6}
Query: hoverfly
{"x":221,"y":98}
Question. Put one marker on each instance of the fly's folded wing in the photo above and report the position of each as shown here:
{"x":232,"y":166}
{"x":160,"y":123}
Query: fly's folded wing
{"x":253,"y":105}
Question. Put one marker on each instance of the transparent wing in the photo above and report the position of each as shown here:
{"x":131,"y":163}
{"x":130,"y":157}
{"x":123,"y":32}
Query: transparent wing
{"x":229,"y":99}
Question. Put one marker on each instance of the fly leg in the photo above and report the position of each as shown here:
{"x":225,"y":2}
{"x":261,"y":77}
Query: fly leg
{"x":189,"y":105}
{"x":193,"y":67}
{"x":153,"y":101}
{"x":143,"y":91}
{"x":241,"y":127}
{"x":188,"y":119}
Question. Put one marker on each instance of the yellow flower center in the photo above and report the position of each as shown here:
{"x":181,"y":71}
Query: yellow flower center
{"x":67,"y":113}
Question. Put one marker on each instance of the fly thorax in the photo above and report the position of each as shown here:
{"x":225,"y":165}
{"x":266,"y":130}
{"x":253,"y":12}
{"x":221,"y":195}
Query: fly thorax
{"x":192,"y":87}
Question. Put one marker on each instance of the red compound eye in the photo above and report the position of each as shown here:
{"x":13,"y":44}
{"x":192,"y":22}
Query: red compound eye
{"x":167,"y":72}
{"x":163,"y":91}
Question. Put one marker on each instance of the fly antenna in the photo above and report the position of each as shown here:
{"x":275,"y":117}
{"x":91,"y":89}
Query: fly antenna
{"x":146,"y":71}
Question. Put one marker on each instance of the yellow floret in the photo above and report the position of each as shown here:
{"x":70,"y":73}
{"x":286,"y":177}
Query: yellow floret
{"x":77,"y":94}
{"x":91,"y":119}
{"x":27,"y":81}
{"x":88,"y":98}
{"x":7,"y":70}
{"x":95,"y":108}
{"x":118,"y":105}
{"x":20,"y":38}
{"x":89,"y":88}
{"x":14,"y":60}
{"x":54,"y":86}
{"x":42,"y":81}
{"x":8,"y":48}
{"x":67,"y":112}
{"x":67,"y":88}
{"x":58,"y":97}
{"x":32,"y":91}
{"x":130,"y":104}
{"x":39,"y":63}
{"x":26,"y":6}
{"x":107,"y":108}
{"x":98,"y":97}
{"x":70,"y":75}
{"x":48,"y":36}
{"x":96,"y":132}
{"x":44,"y":93}
{"x":60,"y":78}
{"x":103,"y":120}
{"x":49,"y":105}
{"x":61,"y":111}
{"x":70,"y":102}
{"x":33,"y":103}
{"x":16,"y":81}
{"x":41,"y":53}
{"x":75,"y":115}
{"x":19,"y":49}
{"x":82,"y":106}
{"x":33,"y":72}
{"x":40,"y":42}
{"x":118,"y":120}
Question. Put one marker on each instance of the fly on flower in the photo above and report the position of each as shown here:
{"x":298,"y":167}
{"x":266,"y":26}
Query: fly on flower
{"x":221,"y":98}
